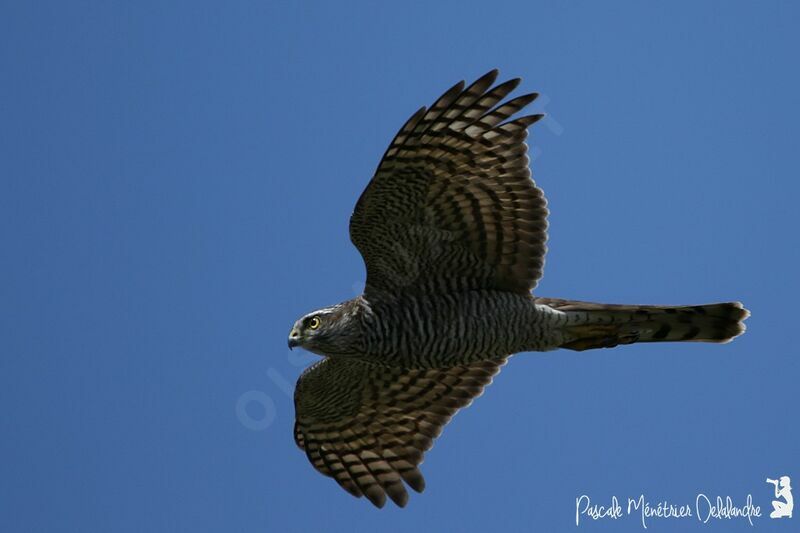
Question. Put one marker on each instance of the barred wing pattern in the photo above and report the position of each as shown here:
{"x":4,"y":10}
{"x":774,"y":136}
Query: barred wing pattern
{"x":368,"y":425}
{"x":452,"y":205}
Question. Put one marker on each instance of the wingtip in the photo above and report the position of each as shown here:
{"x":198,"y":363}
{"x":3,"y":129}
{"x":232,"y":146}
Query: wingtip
{"x":378,"y":499}
{"x":400,"y":499}
{"x":494,"y":73}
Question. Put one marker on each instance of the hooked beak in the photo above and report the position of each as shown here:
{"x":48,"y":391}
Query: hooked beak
{"x":294,"y":338}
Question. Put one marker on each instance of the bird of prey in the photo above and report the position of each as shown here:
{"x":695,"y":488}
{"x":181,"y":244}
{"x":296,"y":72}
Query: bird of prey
{"x":452,"y":231}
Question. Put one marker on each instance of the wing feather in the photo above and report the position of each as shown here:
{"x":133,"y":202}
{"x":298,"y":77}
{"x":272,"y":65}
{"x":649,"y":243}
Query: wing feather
{"x":451,"y":205}
{"x":368,"y":426}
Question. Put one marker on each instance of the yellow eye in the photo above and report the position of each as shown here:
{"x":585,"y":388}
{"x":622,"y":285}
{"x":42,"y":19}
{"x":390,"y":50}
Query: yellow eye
{"x":314,"y":322}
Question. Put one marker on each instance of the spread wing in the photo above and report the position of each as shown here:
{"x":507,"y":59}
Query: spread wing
{"x":452,"y":205}
{"x":368,"y":426}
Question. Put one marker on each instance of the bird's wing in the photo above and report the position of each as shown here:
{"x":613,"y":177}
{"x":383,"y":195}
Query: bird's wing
{"x":452,"y":205}
{"x":368,"y":426}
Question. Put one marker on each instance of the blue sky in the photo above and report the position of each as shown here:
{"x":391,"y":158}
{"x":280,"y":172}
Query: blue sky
{"x":175,"y":185}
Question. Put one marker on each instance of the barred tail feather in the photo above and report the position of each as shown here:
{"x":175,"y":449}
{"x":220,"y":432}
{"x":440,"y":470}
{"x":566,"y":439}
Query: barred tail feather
{"x":591,"y":325}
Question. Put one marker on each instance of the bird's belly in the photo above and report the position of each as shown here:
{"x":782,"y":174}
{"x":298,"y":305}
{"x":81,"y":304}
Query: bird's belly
{"x":435,"y":331}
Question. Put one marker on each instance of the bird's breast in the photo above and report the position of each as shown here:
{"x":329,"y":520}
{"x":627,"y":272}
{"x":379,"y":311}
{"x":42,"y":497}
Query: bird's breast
{"x":448,"y":329}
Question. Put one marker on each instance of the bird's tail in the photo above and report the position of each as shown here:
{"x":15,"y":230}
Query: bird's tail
{"x":591,"y":325}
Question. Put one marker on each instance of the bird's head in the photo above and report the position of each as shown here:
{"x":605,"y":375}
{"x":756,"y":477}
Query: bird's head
{"x":327,"y":331}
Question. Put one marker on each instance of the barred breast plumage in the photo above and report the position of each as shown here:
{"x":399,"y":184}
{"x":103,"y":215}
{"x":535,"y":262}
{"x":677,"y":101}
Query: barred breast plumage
{"x":452,"y":231}
{"x":439,"y":330}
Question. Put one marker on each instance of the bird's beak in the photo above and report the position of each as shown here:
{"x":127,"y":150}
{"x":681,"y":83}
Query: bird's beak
{"x":294,"y":338}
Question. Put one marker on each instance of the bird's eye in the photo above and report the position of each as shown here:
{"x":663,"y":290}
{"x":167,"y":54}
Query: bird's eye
{"x":314,"y":322}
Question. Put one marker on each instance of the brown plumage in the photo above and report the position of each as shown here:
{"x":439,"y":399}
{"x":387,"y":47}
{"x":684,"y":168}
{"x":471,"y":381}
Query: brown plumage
{"x":452,"y":231}
{"x":609,"y":325}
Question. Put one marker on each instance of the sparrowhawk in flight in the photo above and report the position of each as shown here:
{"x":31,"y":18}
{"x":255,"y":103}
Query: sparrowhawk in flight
{"x":452,"y":231}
